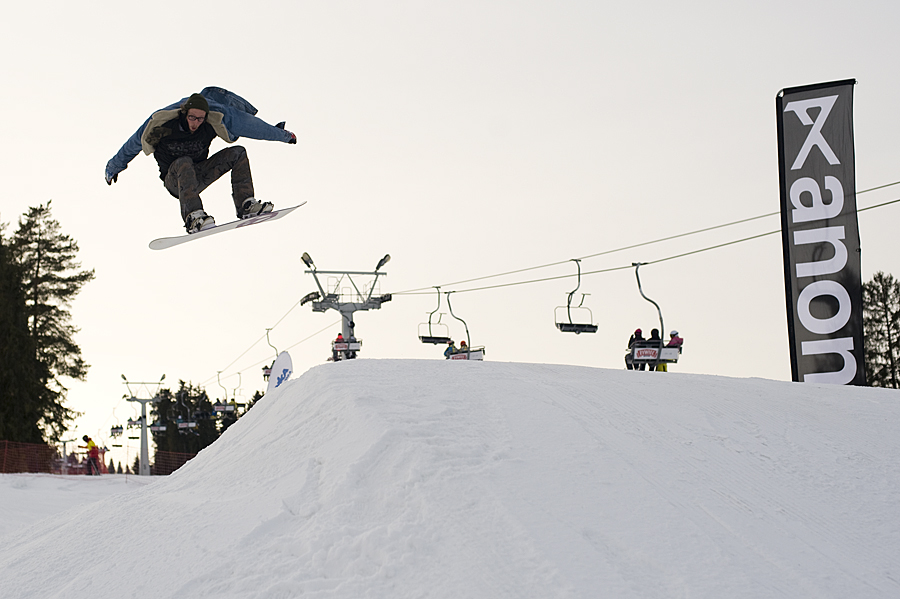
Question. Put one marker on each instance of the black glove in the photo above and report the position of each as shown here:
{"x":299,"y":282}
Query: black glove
{"x":110,"y":179}
{"x":293,"y":138}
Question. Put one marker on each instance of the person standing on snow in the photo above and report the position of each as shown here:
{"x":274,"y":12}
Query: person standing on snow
{"x":179,"y":137}
{"x":93,"y":453}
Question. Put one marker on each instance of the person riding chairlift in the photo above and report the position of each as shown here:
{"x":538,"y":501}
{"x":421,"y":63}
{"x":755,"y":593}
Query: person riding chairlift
{"x":675,"y":341}
{"x":451,"y":349}
{"x":636,"y":337}
{"x":334,"y":352}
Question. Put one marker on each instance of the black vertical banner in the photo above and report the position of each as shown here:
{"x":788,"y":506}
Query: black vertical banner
{"x":820,"y":233}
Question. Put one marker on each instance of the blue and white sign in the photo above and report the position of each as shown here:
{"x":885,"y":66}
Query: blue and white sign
{"x":282,"y":370}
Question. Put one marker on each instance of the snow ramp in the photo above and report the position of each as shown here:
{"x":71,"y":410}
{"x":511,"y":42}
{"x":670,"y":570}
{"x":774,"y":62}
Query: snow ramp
{"x":412,"y":478}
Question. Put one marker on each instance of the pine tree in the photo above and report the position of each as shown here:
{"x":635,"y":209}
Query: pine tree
{"x":22,"y":394}
{"x":51,"y":280}
{"x":189,"y":404}
{"x":881,"y":324}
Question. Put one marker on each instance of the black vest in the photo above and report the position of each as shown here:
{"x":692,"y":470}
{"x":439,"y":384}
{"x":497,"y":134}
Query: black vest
{"x":177,"y":141}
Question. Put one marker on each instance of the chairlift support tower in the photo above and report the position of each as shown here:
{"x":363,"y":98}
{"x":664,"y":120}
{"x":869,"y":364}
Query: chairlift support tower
{"x":145,"y":448}
{"x":323,"y":301}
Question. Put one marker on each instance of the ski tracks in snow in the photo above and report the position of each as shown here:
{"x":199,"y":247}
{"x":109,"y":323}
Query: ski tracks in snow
{"x":440,"y":479}
{"x":414,"y":494}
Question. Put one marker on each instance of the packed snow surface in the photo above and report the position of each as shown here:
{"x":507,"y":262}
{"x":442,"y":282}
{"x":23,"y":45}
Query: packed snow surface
{"x":405,"y":478}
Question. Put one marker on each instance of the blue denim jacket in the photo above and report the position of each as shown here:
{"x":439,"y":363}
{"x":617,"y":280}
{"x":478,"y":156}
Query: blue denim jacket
{"x":239,"y":119}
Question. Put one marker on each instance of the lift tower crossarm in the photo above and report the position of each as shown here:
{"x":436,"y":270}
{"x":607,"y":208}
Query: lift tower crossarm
{"x":332,"y":301}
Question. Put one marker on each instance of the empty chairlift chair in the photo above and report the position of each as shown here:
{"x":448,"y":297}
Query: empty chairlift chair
{"x":434,"y":332}
{"x":568,"y":324}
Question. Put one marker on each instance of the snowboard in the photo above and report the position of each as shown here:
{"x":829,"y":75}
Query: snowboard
{"x":282,"y":369}
{"x":167,"y":242}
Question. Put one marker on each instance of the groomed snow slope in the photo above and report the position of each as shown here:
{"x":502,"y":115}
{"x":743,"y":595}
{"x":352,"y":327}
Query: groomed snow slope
{"x":402,"y":479}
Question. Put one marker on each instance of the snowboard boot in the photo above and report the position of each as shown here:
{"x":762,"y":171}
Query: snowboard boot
{"x":199,"y":220}
{"x":253,"y":207}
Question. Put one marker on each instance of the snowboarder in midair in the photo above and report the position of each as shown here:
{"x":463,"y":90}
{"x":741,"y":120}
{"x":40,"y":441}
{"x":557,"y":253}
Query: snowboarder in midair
{"x":179,"y":137}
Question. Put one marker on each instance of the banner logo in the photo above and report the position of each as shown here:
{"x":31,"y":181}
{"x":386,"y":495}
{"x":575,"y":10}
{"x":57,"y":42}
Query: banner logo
{"x":820,"y":233}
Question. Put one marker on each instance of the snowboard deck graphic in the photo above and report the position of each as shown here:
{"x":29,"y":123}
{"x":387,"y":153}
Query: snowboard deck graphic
{"x":167,"y":242}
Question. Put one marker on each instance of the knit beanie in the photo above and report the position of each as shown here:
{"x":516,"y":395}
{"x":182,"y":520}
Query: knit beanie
{"x":196,"y":101}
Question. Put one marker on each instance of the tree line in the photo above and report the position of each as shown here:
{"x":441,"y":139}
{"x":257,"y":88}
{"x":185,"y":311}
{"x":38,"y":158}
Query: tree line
{"x":192,"y":420}
{"x":39,"y":277}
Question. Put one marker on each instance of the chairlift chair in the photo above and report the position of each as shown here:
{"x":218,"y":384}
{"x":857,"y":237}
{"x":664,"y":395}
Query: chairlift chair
{"x":647,"y":351}
{"x":345,"y":350}
{"x":653,"y":352}
{"x":434,"y":328}
{"x":568,"y":325}
{"x":474,"y":353}
{"x":267,"y":370}
{"x":224,"y":407}
{"x":185,"y":426}
{"x":470,"y":353}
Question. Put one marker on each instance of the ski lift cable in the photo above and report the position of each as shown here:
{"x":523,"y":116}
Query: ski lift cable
{"x":605,"y":270}
{"x":252,"y":345}
{"x":319,"y":332}
{"x":666,"y":259}
{"x":419,"y":291}
{"x":643,"y":244}
{"x":629,"y":266}
{"x":210,"y":379}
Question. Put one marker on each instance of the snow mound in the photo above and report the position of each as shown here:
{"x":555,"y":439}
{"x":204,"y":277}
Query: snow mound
{"x":406,"y":478}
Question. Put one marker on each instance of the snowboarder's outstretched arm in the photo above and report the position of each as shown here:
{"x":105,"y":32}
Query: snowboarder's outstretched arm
{"x":244,"y":124}
{"x":239,"y":117}
{"x":126,"y":154}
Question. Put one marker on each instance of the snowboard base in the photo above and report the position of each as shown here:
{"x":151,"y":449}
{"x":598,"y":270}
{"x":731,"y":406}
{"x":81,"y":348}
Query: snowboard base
{"x":167,"y":242}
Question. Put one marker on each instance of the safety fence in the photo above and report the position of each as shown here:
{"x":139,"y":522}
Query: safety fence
{"x":38,"y":457}
{"x":27,"y":457}
{"x":167,"y":462}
